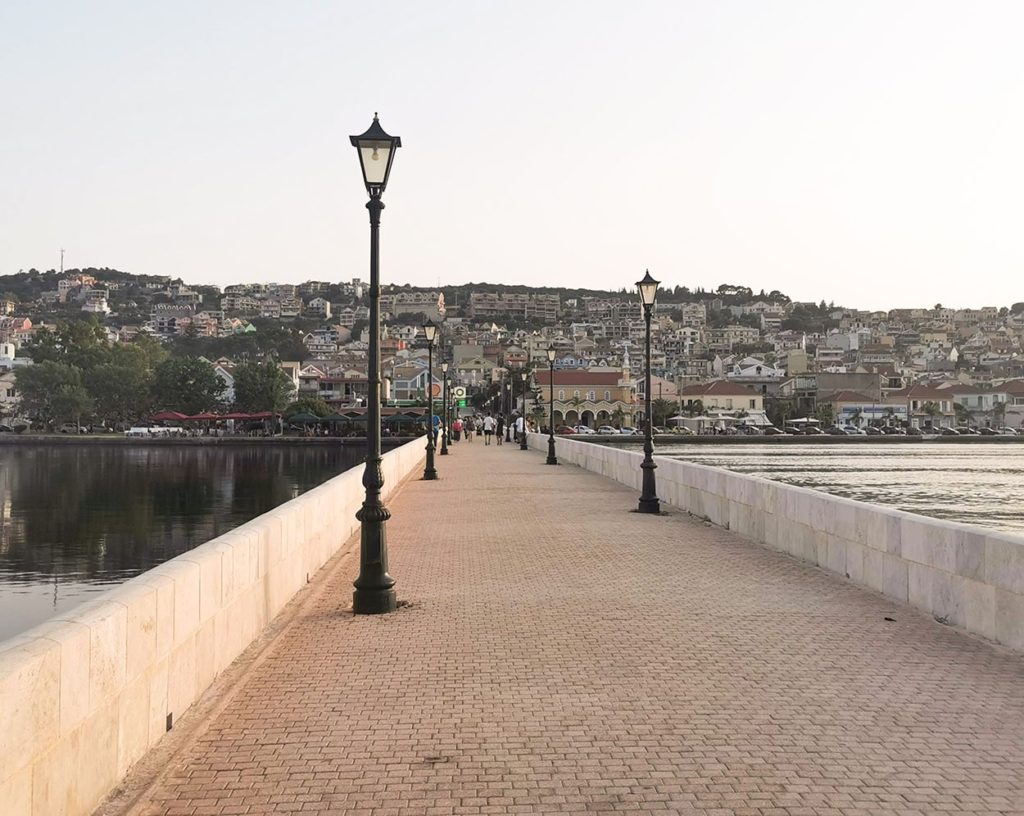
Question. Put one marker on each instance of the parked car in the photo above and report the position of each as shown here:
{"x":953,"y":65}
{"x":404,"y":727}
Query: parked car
{"x":1009,"y":432}
{"x":853,"y":430}
{"x":968,"y":431}
{"x":607,"y":430}
{"x":891,"y":430}
{"x":949,"y":432}
{"x":566,"y":430}
{"x":631,"y":432}
{"x":813,"y":430}
{"x":771,"y":430}
{"x":585,"y":429}
{"x":71,"y":427}
{"x":988,"y":432}
{"x":835,"y":430}
{"x":915,"y":432}
{"x":873,"y":431}
{"x":682,"y":430}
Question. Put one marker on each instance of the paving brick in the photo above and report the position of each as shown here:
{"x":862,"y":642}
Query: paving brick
{"x":561,"y":654}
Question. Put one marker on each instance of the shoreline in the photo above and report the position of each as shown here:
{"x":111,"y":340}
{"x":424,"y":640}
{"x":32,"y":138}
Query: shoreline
{"x":671,"y":439}
{"x":13,"y":440}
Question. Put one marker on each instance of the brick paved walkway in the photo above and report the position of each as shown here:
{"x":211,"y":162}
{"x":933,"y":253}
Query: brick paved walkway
{"x":562,"y":655}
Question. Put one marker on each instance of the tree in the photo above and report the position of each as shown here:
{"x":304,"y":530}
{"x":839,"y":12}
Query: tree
{"x":618,"y":415}
{"x":823,"y":411}
{"x":307,"y":405}
{"x":695,"y":408}
{"x":52,"y":392}
{"x":261,"y":386}
{"x":661,"y":410}
{"x":186,"y":384}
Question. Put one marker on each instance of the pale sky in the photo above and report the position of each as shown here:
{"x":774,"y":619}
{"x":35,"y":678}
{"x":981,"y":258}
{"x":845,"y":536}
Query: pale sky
{"x":867,"y":153}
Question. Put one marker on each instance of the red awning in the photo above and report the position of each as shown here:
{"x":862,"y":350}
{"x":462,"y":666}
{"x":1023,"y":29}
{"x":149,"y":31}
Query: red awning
{"x":204,"y":417}
{"x":168,"y":416}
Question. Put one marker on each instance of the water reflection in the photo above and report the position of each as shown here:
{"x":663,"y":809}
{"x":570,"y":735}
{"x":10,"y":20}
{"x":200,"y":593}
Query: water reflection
{"x":975,"y":484}
{"x":77,"y":519}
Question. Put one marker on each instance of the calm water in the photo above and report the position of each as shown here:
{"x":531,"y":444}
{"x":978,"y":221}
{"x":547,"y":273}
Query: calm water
{"x":975,"y":484}
{"x":78,"y":519}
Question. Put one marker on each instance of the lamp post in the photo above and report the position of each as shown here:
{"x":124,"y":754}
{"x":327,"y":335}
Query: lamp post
{"x":552,"y":459}
{"x":430,"y":332}
{"x":511,"y":400}
{"x":444,"y":408}
{"x":374,"y":588}
{"x":648,"y":288}
{"x":522,"y":441}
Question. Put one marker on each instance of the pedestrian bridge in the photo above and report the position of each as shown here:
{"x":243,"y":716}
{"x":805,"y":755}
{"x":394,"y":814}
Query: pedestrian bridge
{"x":556,"y":652}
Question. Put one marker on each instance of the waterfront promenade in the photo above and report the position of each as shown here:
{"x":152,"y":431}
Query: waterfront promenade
{"x":559,"y":653}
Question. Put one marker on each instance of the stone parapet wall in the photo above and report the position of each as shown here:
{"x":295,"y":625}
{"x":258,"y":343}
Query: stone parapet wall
{"x":86,"y":694}
{"x":962,"y":575}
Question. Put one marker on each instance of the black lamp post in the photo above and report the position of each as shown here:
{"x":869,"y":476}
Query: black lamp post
{"x":522,"y":441}
{"x":444,"y":408}
{"x":649,"y":503}
{"x":552,"y":459}
{"x":430,"y":332}
{"x":511,"y":402}
{"x":374,"y":588}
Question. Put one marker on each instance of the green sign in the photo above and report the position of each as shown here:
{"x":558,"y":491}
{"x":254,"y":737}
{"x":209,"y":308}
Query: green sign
{"x":462,"y":403}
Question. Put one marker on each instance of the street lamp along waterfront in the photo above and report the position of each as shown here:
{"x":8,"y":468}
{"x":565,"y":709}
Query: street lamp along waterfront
{"x":522,"y":440}
{"x":648,"y":289}
{"x":430,"y":332}
{"x":444,"y":408}
{"x":552,"y":459}
{"x":374,"y":588}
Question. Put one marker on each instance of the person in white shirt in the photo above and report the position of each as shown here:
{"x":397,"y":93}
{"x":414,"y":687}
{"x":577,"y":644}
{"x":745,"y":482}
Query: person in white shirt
{"x":488,"y":429}
{"x":518,"y":428}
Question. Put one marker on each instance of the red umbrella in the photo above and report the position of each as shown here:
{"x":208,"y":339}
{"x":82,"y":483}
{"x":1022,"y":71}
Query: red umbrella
{"x":204,"y":417}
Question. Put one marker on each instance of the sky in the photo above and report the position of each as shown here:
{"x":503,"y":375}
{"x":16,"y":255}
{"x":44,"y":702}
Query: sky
{"x":866,"y":153}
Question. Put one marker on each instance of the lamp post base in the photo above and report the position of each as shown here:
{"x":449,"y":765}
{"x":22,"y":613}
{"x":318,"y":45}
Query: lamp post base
{"x":552,"y":459}
{"x":374,"y":601}
{"x":429,"y":475}
{"x":649,"y":502}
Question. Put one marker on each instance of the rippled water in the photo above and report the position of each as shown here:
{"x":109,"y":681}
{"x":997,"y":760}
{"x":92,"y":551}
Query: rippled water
{"x":975,"y":484}
{"x":79,"y":519}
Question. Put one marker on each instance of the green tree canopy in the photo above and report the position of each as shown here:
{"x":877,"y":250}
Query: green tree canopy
{"x":261,"y":386}
{"x":186,"y":384}
{"x":52,"y":392}
{"x":308,"y":405}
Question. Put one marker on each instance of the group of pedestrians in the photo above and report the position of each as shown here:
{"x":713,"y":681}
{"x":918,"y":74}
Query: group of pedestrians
{"x":489,"y":427}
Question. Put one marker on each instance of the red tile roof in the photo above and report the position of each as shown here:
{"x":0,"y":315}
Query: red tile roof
{"x":718,"y":387}
{"x":850,"y":396}
{"x":580,"y":377}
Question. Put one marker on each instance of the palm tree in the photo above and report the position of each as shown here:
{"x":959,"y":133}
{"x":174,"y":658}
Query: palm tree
{"x":661,"y":409}
{"x":576,"y":402}
{"x":618,"y":415}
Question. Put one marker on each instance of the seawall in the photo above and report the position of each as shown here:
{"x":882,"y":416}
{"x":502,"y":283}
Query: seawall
{"x":85,"y":695}
{"x":962,"y":575}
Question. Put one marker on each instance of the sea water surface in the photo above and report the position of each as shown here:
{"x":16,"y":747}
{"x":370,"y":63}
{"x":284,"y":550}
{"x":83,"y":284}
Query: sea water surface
{"x":79,"y":519}
{"x":973,"y":483}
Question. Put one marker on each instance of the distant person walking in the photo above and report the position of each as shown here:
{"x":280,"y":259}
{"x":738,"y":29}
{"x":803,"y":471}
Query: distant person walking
{"x":489,"y":430}
{"x":519,"y":428}
{"x":501,"y":428}
{"x":468,"y":426}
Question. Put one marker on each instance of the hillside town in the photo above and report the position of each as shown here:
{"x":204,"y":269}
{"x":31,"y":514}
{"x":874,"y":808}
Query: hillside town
{"x":722,"y":360}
